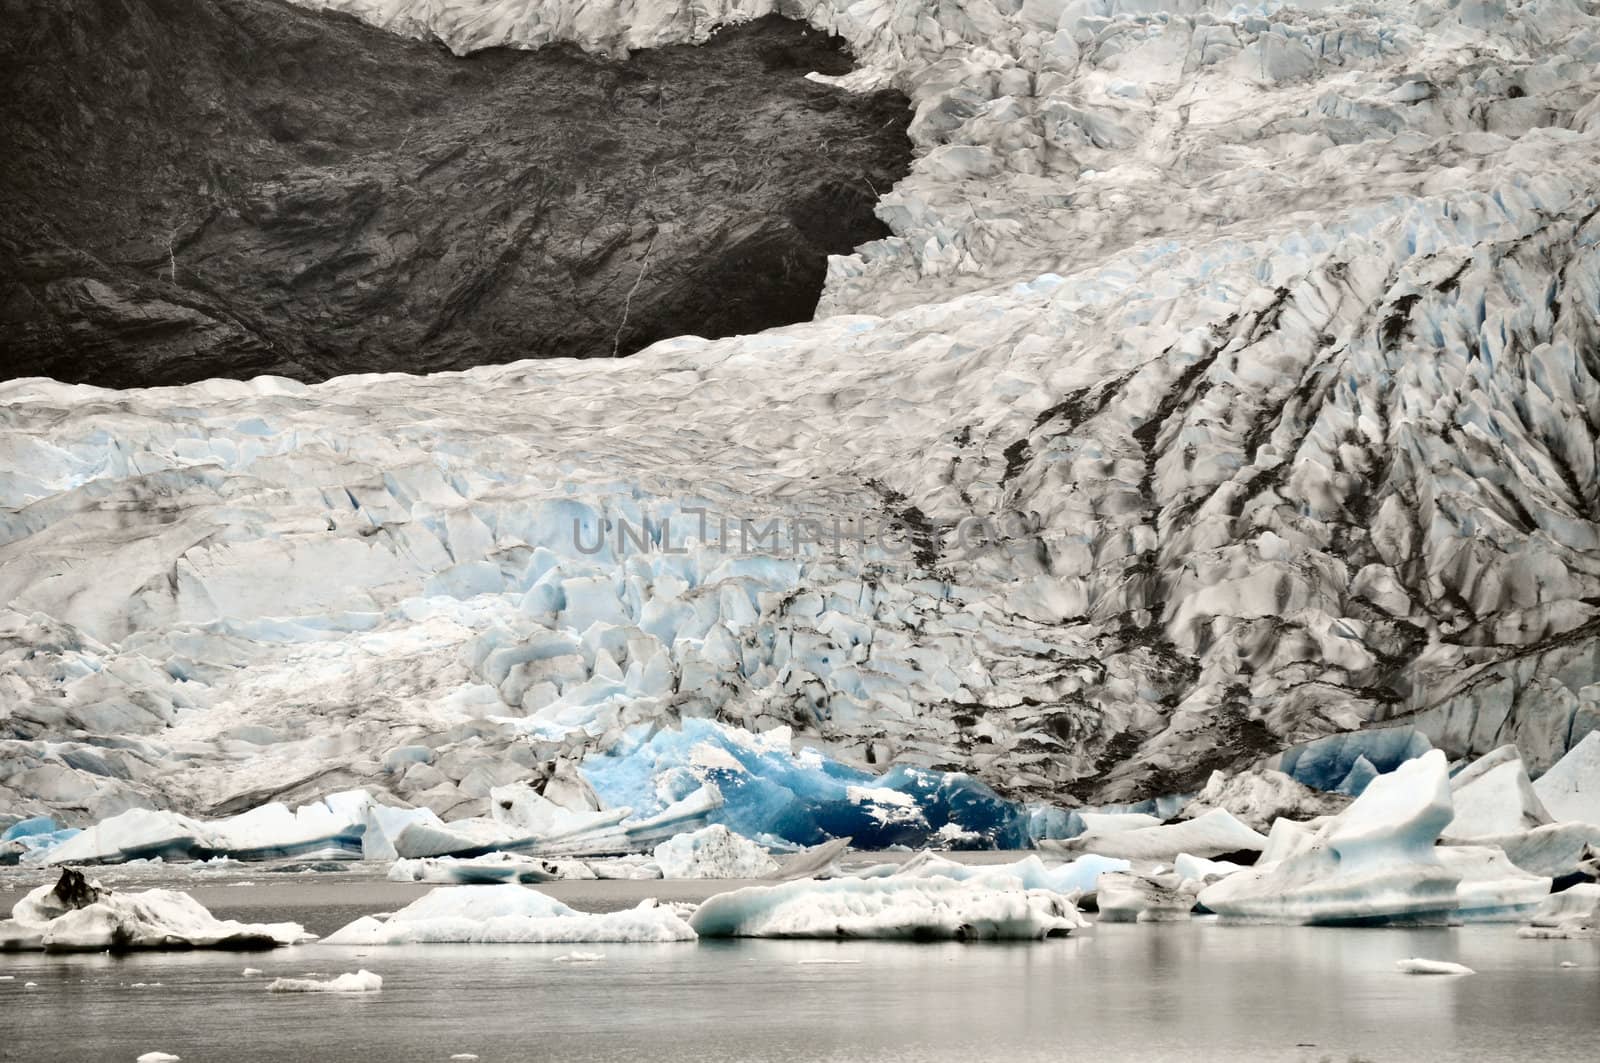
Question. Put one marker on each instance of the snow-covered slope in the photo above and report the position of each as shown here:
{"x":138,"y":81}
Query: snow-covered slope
{"x":1253,"y":349}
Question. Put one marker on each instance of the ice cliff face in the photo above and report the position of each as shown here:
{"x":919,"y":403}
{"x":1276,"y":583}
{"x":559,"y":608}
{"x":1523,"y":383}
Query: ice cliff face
{"x":1255,"y":346}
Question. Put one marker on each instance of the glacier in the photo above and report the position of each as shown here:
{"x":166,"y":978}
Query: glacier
{"x":1228,"y":387}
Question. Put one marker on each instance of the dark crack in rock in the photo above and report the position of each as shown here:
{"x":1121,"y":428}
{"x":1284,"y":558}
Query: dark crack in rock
{"x":199,"y":188}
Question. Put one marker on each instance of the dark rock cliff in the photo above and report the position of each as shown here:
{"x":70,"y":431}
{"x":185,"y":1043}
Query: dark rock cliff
{"x":198,"y":188}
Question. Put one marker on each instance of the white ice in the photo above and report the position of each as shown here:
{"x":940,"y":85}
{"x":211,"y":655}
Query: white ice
{"x":362,"y":981}
{"x":894,"y":907}
{"x":1374,"y":862}
{"x":1209,"y":834}
{"x":713,"y":852}
{"x":1571,"y":789}
{"x":1418,"y":965}
{"x":152,"y":919}
{"x":509,"y":914}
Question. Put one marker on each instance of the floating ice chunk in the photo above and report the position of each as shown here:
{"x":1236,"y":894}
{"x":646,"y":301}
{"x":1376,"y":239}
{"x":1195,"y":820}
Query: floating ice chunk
{"x":580,"y":957}
{"x":1418,"y":965}
{"x":154,"y":1057}
{"x":1128,"y":897}
{"x":817,"y":861}
{"x":1257,"y":798}
{"x":478,"y":870}
{"x":1573,"y":913}
{"x":250,"y":972}
{"x":1570,"y":790}
{"x":1373,"y":863}
{"x":463,"y":1055}
{"x":138,"y":833}
{"x":1492,"y":888}
{"x":1210,"y":834}
{"x":713,"y":852}
{"x":1080,"y":822}
{"x":509,"y":913}
{"x":362,"y":981}
{"x":76,"y":916}
{"x":1493,"y":795}
{"x":912,"y":909}
{"x":1197,"y":869}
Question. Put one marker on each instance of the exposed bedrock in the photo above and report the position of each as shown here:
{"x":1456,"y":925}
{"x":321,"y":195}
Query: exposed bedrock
{"x":203,"y":188}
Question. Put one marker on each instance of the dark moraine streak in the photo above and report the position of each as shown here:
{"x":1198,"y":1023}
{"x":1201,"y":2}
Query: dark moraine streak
{"x":199,"y":188}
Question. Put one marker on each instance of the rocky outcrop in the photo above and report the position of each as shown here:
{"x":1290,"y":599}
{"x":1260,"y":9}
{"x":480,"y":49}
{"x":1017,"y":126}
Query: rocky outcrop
{"x":205,"y":188}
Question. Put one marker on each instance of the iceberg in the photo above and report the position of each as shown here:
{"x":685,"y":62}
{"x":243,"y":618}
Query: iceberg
{"x":475,"y":871}
{"x":1029,"y":873}
{"x":362,"y":981}
{"x":1418,"y":965}
{"x":1210,"y":834}
{"x":75,"y":915}
{"x":1492,"y":888}
{"x":509,"y":913}
{"x":1492,"y":796}
{"x":1197,"y":869}
{"x":1560,"y":850}
{"x":713,"y":852}
{"x":1373,"y":863}
{"x":523,"y":821}
{"x":1573,"y":913}
{"x":896,"y":907}
{"x":1570,"y":790}
{"x":1129,"y":897}
{"x":803,"y":797}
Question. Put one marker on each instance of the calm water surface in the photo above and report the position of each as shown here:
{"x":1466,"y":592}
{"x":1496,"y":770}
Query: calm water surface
{"x":1189,"y":992}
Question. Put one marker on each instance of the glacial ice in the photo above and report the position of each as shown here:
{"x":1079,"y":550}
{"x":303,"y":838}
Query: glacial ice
{"x":1262,"y":342}
{"x":801,"y":796}
{"x":1029,"y":873}
{"x":713,"y":852}
{"x":1571,"y":789}
{"x":1419,"y":965}
{"x":97,"y":919}
{"x":1258,"y":798}
{"x":1375,"y":862}
{"x":1209,"y":834}
{"x":894,"y":907}
{"x":1573,"y":913}
{"x":475,"y":871}
{"x":509,"y":913}
{"x":1130,"y":897}
{"x":1492,"y":888}
{"x":362,"y":981}
{"x":1493,"y":795}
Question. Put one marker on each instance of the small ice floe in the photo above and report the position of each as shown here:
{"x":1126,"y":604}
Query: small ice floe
{"x":145,"y":985}
{"x":363,"y":981}
{"x":30,"y":985}
{"x":158,"y":1057}
{"x":463,"y":1055}
{"x":1568,"y":963}
{"x":1418,"y":965}
{"x":250,"y":972}
{"x":580,"y":957}
{"x":8,"y":978}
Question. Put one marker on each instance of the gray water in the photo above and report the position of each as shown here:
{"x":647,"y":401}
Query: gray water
{"x":1189,"y":992}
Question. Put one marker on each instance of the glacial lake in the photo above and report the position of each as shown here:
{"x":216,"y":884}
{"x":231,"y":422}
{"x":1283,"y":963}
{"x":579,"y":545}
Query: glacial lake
{"x":1181,"y":992}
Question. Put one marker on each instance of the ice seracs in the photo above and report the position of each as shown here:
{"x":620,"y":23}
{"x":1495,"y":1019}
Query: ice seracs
{"x":509,"y":913}
{"x":895,"y":907}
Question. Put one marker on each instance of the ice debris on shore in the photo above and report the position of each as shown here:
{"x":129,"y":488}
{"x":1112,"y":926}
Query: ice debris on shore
{"x":76,"y":915}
